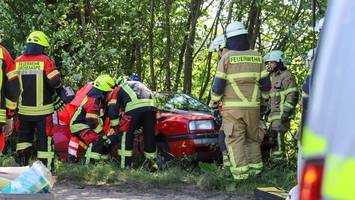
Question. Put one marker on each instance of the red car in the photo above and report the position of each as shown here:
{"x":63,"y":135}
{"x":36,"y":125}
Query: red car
{"x":186,"y":127}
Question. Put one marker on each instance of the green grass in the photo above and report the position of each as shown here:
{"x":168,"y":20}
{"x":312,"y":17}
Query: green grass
{"x":7,"y":161}
{"x":207,"y":177}
{"x":109,"y":173}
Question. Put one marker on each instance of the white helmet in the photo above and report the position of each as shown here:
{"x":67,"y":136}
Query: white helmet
{"x":235,"y":28}
{"x":276,"y":55}
{"x":319,"y":25}
{"x":217,"y":44}
{"x":310,"y":56}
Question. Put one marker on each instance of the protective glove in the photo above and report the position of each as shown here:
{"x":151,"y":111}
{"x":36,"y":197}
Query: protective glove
{"x":213,"y":105}
{"x":58,"y":103}
{"x":66,"y":94}
{"x":285,"y":117}
{"x":10,"y":113}
{"x":106,"y":140}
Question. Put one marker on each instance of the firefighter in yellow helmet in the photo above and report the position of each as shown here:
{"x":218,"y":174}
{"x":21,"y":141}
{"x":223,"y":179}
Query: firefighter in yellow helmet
{"x":39,"y":78}
{"x":87,"y":121}
{"x":237,"y":85}
{"x":283,"y":100}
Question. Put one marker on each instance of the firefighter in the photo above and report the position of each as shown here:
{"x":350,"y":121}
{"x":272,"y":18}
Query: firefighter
{"x":138,"y":105}
{"x":283,"y":100}
{"x":217,"y":45}
{"x":39,"y":78}
{"x":9,"y":91}
{"x":237,"y":86}
{"x":87,"y":122}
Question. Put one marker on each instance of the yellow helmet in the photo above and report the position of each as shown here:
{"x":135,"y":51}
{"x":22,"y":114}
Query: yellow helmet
{"x":104,"y":83}
{"x":38,"y":37}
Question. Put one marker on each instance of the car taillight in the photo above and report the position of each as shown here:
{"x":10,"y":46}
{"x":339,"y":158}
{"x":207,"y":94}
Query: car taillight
{"x":311,"y":183}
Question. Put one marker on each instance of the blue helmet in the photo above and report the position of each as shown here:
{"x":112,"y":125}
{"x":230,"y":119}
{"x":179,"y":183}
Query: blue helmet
{"x":134,"y":77}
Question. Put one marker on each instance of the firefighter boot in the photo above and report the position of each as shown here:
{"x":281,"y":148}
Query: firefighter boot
{"x":277,"y":151}
{"x":151,"y":165}
{"x":72,"y":159}
{"x":226,"y":162}
{"x":24,"y":157}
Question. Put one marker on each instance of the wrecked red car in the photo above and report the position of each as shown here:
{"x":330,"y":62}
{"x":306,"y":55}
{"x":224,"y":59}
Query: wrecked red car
{"x":186,"y":128}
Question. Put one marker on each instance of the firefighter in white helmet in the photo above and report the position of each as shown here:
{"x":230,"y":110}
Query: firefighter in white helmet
{"x":237,"y":86}
{"x":217,"y":45}
{"x":283,"y":100}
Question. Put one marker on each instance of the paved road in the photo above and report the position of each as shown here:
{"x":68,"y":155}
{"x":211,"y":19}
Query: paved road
{"x":69,"y":192}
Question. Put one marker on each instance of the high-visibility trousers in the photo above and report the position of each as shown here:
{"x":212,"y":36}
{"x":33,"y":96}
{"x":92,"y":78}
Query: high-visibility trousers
{"x":146,"y":119}
{"x":27,"y":128}
{"x":243,"y":140}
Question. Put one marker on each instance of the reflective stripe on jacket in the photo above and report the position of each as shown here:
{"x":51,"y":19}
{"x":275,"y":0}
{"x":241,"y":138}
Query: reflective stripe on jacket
{"x":9,"y":84}
{"x":283,"y":95}
{"x":89,"y":114}
{"x":237,"y":78}
{"x":38,"y":79}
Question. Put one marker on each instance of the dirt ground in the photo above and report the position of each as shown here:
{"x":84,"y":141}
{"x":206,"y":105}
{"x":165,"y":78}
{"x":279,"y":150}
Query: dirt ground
{"x":68,"y":191}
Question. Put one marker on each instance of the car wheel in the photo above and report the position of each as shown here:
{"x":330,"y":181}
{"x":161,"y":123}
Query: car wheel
{"x":163,"y":154}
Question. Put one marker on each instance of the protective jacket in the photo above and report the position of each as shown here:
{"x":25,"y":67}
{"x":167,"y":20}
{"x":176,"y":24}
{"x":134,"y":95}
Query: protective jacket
{"x":9,"y":90}
{"x":90,"y":112}
{"x":283,"y":95}
{"x":238,"y":85}
{"x":131,"y":95}
{"x":38,"y":79}
{"x":9,"y":84}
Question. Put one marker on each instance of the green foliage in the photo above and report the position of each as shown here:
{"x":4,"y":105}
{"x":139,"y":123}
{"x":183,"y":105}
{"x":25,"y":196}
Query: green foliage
{"x":92,"y":37}
{"x":100,"y":36}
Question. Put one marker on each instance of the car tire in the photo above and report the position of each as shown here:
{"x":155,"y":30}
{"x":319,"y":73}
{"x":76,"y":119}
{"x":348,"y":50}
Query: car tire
{"x":163,"y":153}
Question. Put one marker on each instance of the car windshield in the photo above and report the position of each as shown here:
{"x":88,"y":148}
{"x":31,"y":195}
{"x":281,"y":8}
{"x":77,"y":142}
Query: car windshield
{"x":180,"y":102}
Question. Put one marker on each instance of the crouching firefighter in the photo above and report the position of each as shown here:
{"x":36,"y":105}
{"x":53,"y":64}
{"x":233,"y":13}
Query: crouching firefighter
{"x":87,"y":121}
{"x":138,"y":104}
{"x":39,"y":78}
{"x":9,"y":91}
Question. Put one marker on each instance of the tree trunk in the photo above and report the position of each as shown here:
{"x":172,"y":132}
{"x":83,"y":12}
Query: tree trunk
{"x":81,"y":8}
{"x":167,"y":60}
{"x":209,"y":56}
{"x":181,"y":62}
{"x":254,"y":22}
{"x":151,"y":45}
{"x":138,"y":55}
{"x":230,"y":11}
{"x":283,"y":42}
{"x":195,"y":10}
{"x":132,"y":59}
{"x":241,"y":13}
{"x":181,"y":55}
